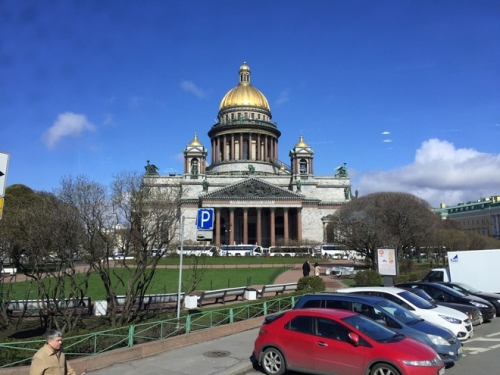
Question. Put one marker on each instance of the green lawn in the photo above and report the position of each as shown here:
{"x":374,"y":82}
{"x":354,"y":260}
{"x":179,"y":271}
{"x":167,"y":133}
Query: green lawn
{"x":166,"y":280}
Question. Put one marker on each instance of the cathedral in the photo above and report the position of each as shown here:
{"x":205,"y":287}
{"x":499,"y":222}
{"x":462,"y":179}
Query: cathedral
{"x":257,"y":198}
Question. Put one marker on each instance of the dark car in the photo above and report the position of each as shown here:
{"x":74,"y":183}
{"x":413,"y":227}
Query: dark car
{"x":395,"y":317}
{"x":444,"y":293}
{"x":326,"y":341}
{"x":474,"y":314}
{"x":466,"y":289}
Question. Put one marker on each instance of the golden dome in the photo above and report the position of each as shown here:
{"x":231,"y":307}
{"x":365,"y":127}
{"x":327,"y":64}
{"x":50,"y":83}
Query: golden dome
{"x":244,"y":94}
{"x":195,"y":141}
{"x":301,"y":143}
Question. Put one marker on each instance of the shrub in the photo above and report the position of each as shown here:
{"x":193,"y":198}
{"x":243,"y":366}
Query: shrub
{"x":368,"y":278}
{"x":311,"y":284}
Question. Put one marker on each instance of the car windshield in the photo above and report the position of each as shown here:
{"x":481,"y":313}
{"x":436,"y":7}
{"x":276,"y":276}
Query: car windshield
{"x":400,"y":313}
{"x":451,"y":291}
{"x":424,"y":295}
{"x":468,"y":288}
{"x":370,"y":328}
{"x":416,"y":300}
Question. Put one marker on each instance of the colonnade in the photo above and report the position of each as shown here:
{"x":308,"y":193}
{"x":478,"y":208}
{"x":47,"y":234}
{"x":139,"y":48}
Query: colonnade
{"x":261,"y":225}
{"x":244,"y":146}
{"x":495,"y":220}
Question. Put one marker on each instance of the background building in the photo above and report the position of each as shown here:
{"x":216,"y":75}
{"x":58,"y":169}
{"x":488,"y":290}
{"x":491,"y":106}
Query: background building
{"x":481,"y":216}
{"x":257,"y":197}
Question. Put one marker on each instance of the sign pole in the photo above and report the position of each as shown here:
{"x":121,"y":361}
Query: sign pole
{"x":180,"y":272}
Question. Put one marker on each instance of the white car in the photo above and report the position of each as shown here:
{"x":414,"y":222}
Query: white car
{"x":454,"y":320}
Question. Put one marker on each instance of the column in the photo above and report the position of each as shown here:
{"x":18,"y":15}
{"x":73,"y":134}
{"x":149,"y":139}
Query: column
{"x":231,"y":226}
{"x":259,"y":226}
{"x":241,"y":146}
{"x":213,"y":151}
{"x":259,"y":156}
{"x":245,"y":225}
{"x":217,"y":227}
{"x":299,"y":224}
{"x":271,"y":218}
{"x":232,"y":148}
{"x":285,"y":224}
{"x":265,"y":148}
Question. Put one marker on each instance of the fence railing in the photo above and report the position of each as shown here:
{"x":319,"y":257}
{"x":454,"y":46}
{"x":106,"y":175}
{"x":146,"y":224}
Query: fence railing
{"x":19,"y":353}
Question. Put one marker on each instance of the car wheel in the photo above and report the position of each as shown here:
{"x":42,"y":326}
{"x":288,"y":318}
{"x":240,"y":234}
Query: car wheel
{"x":384,"y":369}
{"x":273,"y":362}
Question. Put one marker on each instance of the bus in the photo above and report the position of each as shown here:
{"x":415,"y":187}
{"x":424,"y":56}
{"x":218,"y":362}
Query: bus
{"x":290,"y":251}
{"x":241,"y":250}
{"x":333,"y":251}
{"x":198,"y":250}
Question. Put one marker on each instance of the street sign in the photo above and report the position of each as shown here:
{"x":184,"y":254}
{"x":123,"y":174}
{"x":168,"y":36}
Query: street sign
{"x":4,"y":164}
{"x":205,"y":219}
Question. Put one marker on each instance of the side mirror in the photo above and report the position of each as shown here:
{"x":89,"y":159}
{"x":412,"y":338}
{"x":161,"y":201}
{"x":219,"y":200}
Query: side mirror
{"x":354,"y":338}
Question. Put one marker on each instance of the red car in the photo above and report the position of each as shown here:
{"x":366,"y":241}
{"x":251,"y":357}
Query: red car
{"x":325,"y":341}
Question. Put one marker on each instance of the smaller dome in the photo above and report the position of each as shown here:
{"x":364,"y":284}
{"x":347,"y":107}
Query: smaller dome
{"x":301,"y":143}
{"x":244,"y":67}
{"x":195,"y":141}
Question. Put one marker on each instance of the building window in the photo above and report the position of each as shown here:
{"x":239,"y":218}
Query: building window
{"x":239,"y":116}
{"x":252,"y":115}
{"x":303,"y":166}
{"x":258,"y":116}
{"x":232,"y":116}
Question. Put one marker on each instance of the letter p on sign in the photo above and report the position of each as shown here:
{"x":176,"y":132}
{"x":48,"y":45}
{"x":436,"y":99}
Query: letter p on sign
{"x":205,"y":219}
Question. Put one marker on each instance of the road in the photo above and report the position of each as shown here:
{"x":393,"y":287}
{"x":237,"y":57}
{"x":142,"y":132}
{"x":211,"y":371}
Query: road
{"x":480,"y":357}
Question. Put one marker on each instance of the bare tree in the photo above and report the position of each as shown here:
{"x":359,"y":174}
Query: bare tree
{"x":48,"y":232}
{"x":397,"y":220}
{"x":130,"y":218}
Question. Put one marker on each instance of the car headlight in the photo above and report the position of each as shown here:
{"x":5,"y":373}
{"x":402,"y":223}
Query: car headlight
{"x":438,"y":340}
{"x":450,"y":319}
{"x":479,"y":304}
{"x":433,"y":362}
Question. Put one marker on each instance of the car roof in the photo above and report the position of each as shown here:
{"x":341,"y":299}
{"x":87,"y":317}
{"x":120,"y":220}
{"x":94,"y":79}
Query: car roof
{"x":326,"y":313}
{"x":388,"y":289}
{"x":343,"y":296}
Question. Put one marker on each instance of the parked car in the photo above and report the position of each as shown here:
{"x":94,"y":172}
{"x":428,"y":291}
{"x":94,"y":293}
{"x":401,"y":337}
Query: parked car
{"x":466,"y":289}
{"x":444,"y":293}
{"x":474,"y":314}
{"x":454,"y":320}
{"x":395,"y":317}
{"x":324,"y":341}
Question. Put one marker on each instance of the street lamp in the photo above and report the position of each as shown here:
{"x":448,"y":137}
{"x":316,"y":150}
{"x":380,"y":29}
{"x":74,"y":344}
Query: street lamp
{"x":227,"y":231}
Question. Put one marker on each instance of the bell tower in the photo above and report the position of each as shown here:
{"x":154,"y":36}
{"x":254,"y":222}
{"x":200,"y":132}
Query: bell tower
{"x":195,"y":157}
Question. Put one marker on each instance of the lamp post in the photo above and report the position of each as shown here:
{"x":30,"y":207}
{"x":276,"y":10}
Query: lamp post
{"x":227,"y":231}
{"x":180,"y":271}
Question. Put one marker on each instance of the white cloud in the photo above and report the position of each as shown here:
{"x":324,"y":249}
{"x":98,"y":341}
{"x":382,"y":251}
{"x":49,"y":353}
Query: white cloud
{"x":283,"y":97}
{"x":189,"y":86}
{"x":440,"y":173}
{"x":67,"y":124}
{"x":387,"y":140}
{"x":386,"y":133}
{"x":135,"y":101}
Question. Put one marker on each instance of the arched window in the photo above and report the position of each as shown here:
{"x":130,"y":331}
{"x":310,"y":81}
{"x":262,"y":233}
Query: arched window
{"x":303,"y":166}
{"x":194,"y":166}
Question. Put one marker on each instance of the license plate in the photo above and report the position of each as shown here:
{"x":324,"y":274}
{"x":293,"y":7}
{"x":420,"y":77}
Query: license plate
{"x":441,"y":371}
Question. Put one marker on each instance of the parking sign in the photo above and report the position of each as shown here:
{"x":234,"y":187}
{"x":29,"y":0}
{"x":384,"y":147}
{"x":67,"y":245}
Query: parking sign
{"x":205,"y":219}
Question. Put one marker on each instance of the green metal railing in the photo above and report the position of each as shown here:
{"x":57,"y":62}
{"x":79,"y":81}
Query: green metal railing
{"x":19,"y":353}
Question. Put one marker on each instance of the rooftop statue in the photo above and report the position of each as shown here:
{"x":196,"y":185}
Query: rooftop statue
{"x":342,"y":171}
{"x":151,"y":169}
{"x":251,"y":169}
{"x":204,"y":184}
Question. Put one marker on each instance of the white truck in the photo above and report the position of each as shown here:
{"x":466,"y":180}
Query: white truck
{"x":477,"y":268}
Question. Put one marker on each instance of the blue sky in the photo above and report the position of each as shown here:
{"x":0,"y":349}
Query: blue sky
{"x":407,"y":93}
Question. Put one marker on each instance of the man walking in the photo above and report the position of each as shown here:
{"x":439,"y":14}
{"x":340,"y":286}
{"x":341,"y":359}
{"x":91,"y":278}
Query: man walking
{"x":50,"y":359}
{"x":306,"y":268}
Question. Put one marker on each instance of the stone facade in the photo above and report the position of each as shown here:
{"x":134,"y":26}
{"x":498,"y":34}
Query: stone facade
{"x":257,"y":198}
